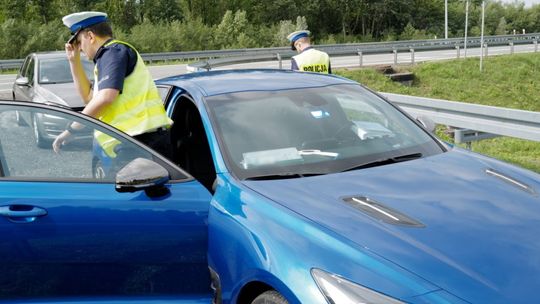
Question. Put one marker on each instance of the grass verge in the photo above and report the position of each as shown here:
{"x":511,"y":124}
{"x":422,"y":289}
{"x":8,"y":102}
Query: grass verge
{"x":510,"y":81}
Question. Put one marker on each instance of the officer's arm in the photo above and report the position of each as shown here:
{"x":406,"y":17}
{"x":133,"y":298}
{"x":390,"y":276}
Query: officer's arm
{"x":103,"y":98}
{"x":83,"y":85}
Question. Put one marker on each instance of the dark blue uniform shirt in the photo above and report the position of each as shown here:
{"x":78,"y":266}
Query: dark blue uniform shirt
{"x":114,"y":63}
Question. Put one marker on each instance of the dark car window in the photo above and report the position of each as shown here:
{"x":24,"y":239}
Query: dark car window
{"x":81,"y":159}
{"x":313,"y":131}
{"x":56,"y":70}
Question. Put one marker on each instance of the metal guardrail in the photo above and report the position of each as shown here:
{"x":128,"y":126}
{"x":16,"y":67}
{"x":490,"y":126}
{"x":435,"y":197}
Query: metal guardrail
{"x":367,"y":48}
{"x":494,"y":120}
{"x":10,"y":64}
{"x":212,"y":57}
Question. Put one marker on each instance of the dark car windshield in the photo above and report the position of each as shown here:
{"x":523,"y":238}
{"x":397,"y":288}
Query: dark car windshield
{"x":313,"y":131}
{"x":56,"y":70}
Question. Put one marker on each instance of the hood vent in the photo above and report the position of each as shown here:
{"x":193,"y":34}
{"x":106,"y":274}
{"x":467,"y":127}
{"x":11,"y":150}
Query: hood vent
{"x":381,"y":212}
{"x":512,"y":181}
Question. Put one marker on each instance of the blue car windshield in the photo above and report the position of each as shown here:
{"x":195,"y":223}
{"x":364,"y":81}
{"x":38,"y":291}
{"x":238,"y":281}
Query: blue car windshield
{"x":312,"y":131}
{"x":56,"y":70}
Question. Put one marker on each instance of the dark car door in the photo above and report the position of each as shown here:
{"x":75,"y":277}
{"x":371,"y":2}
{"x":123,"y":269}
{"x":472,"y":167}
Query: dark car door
{"x":66,"y":233}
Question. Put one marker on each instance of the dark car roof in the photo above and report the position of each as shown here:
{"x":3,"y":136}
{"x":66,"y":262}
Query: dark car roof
{"x":229,"y":81}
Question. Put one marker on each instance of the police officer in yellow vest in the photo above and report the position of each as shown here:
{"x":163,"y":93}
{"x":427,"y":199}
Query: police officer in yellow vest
{"x":308,"y":59}
{"x":123,"y":95}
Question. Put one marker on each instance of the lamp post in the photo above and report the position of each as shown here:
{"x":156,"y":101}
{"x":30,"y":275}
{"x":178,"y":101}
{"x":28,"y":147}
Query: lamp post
{"x":445,"y":19}
{"x":482,"y":36}
{"x":466,"y":26}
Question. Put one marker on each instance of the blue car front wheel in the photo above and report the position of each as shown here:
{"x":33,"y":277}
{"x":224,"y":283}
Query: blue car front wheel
{"x":270,"y":297}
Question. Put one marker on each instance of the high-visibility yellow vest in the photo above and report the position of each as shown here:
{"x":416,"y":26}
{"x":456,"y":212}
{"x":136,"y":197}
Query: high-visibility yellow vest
{"x":137,"y":110}
{"x":313,"y":60}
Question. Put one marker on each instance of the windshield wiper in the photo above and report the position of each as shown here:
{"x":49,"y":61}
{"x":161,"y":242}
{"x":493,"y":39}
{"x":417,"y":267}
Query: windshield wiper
{"x":282,"y":176}
{"x":385,"y":161}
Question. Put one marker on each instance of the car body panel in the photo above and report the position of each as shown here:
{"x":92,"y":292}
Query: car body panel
{"x":49,"y":80}
{"x":472,"y":237}
{"x":222,"y":82}
{"x":90,"y":241}
{"x":195,"y":299}
{"x":275,"y":231}
{"x":454,"y":220}
{"x":60,"y":93}
{"x":41,"y":90}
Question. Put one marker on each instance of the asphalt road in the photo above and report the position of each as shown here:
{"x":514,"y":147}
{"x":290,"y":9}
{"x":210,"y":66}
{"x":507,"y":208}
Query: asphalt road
{"x":160,"y":71}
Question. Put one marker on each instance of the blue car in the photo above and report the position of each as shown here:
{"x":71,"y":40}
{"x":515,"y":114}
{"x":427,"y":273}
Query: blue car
{"x":284,"y":187}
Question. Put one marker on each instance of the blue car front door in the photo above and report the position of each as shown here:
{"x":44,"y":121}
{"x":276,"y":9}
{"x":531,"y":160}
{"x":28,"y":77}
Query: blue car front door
{"x":66,"y":232}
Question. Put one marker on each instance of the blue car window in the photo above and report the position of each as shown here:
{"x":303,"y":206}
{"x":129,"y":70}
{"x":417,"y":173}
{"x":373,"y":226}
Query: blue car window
{"x":312,"y":131}
{"x":82,"y":158}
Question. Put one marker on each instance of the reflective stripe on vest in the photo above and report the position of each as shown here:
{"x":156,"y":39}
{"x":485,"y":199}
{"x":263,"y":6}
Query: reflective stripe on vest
{"x":137,"y":110}
{"x":313,"y":60}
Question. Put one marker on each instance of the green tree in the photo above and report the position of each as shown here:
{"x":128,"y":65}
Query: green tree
{"x":501,"y":28}
{"x":408,"y":32}
{"x":13,"y":35}
{"x":162,"y":11}
{"x":233,"y":31}
{"x":195,"y":35}
{"x":14,"y":9}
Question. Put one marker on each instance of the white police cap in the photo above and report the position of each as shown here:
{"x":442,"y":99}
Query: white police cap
{"x":78,"y":21}
{"x":297,"y":35}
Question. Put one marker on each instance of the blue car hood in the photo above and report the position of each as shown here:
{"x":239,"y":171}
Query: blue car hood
{"x":480,"y":239}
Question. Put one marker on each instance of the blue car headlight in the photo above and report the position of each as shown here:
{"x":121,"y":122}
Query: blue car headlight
{"x":337,"y":290}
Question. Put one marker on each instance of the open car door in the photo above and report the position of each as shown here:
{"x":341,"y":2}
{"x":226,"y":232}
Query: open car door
{"x":67,"y":234}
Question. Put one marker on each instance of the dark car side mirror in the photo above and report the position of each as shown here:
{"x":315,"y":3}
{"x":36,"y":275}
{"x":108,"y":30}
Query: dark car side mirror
{"x":22,"y":81}
{"x":143,"y":174}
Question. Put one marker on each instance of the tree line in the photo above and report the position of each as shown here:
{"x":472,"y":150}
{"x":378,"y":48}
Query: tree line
{"x":186,"y":25}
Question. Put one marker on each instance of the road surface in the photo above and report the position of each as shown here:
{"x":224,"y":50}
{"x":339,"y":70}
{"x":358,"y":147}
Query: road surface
{"x":160,"y":71}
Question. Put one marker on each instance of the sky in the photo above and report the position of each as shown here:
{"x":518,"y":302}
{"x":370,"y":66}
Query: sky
{"x":528,"y":3}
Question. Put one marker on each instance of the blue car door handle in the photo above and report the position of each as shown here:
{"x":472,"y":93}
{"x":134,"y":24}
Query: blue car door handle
{"x":22,"y":213}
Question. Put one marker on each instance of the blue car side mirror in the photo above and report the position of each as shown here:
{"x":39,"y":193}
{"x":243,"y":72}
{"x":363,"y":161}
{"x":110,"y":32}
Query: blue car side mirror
{"x":143,"y":174}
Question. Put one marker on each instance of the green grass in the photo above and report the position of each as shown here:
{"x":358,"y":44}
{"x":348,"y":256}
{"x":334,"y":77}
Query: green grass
{"x":510,"y":81}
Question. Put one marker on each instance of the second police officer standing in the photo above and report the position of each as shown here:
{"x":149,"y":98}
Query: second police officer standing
{"x":308,"y":59}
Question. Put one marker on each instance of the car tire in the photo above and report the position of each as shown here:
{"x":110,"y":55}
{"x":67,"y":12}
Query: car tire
{"x":40,"y":141}
{"x":270,"y":297}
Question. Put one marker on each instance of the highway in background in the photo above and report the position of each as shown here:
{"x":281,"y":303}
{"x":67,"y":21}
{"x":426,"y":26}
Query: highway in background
{"x":160,"y":71}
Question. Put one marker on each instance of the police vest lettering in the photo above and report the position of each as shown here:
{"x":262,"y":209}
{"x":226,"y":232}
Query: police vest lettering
{"x":313,"y":60}
{"x":139,"y":109}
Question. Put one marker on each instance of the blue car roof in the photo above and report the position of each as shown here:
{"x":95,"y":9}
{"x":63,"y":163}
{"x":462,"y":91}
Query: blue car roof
{"x":229,"y":81}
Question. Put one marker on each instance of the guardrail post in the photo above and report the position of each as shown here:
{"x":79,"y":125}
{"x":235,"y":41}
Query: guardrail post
{"x":395,"y":57}
{"x":412,"y":55}
{"x":457,"y":51}
{"x":485,"y":49}
{"x":511,"y":47}
{"x":360,"y":58}
{"x":279,"y":59}
{"x":536,"y":46}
